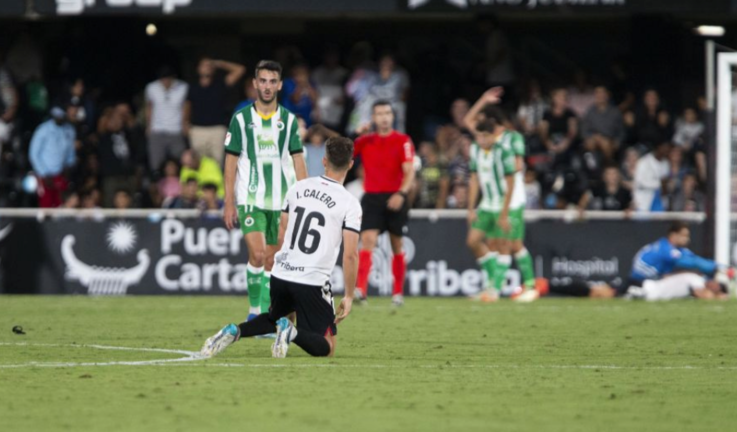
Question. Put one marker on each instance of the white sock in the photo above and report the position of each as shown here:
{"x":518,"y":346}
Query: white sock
{"x":254,"y":310}
{"x":488,"y":256}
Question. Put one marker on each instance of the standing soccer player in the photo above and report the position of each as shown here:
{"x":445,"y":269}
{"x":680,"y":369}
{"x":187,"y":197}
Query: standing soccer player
{"x":318,"y":215}
{"x":260,"y":141}
{"x":505,"y":243}
{"x":387,"y":157}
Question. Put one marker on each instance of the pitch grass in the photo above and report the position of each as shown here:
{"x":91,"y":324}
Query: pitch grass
{"x":436,"y":364}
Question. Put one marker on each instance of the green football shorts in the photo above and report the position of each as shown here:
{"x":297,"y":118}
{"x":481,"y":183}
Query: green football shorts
{"x":486,"y":221}
{"x":257,"y":220}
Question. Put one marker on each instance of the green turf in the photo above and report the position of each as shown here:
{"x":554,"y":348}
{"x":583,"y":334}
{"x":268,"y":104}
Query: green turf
{"x":446,"y":365}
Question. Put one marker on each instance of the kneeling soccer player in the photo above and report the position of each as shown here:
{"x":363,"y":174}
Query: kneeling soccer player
{"x":318,"y":215}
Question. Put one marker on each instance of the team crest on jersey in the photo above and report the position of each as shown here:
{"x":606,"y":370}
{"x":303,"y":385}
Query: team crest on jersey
{"x":249,"y":221}
{"x":280,"y":125}
{"x":252,"y":188}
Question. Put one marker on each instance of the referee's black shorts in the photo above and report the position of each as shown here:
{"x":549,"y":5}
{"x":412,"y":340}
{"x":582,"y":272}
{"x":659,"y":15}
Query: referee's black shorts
{"x":313,"y":304}
{"x":377,"y":216}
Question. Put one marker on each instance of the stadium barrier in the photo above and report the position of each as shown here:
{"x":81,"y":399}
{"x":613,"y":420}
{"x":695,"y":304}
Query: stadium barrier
{"x":185,"y":252}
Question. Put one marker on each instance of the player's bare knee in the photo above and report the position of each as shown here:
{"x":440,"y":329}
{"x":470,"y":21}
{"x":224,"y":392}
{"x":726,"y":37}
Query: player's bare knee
{"x":257,"y":258}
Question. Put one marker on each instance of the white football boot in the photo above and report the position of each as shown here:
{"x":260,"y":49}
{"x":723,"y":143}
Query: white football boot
{"x":221,"y":340}
{"x":285,"y":334}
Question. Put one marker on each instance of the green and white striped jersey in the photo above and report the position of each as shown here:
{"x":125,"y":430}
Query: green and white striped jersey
{"x":264,"y":147}
{"x":517,"y":141}
{"x":491,"y":167}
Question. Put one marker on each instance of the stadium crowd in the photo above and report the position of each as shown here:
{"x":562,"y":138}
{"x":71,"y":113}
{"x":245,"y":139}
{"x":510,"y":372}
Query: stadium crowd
{"x":589,"y":145}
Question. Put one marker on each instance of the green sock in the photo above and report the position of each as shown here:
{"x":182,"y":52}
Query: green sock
{"x":488,"y":264}
{"x":524,"y":263}
{"x":500,"y":273}
{"x":266,"y":292}
{"x":254,"y":276}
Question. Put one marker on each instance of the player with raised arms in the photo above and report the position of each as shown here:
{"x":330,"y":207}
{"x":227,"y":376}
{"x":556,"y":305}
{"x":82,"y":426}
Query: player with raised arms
{"x":503,"y":242}
{"x":260,"y":141}
{"x":318,"y":215}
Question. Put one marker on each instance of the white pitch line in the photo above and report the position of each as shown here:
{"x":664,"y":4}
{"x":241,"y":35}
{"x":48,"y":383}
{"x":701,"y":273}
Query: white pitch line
{"x":189,"y":356}
{"x":193,"y":356}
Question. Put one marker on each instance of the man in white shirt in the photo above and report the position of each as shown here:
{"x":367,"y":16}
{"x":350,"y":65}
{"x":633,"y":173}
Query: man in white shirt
{"x":318,"y":215}
{"x":166,"y":118}
{"x":651,"y":170}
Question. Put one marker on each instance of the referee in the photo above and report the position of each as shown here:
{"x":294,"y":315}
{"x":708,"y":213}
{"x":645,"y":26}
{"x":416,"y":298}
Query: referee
{"x":387,"y":157}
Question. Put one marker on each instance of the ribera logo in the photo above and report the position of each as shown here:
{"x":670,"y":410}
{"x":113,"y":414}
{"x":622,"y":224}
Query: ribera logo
{"x":77,"y":7}
{"x":436,"y":279}
{"x":121,"y":239}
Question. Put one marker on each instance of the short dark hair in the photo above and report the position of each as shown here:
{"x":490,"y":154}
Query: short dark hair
{"x":495,"y":113}
{"x":192,"y":179}
{"x":381,"y":102}
{"x":210,"y":187}
{"x":269,"y":65}
{"x":339,"y":152}
{"x":677,"y":227}
{"x":486,"y":126}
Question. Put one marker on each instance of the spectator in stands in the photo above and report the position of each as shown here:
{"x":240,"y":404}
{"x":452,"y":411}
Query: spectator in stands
{"x":611,"y":195}
{"x":357,"y":87}
{"x":688,"y":129}
{"x":91,"y":199}
{"x":8,"y":105}
{"x":188,"y":198}
{"x":208,"y":100}
{"x":52,"y":154}
{"x":581,"y":95}
{"x":433,"y":180}
{"x":559,"y":128}
{"x":170,"y":186}
{"x":118,"y":160}
{"x":166,"y":118}
{"x":568,"y":189}
{"x":530,"y":115}
{"x":459,"y":167}
{"x":688,"y":198}
{"x":209,"y":200}
{"x":85,"y":116}
{"x":602,"y":128}
{"x":202,"y":169}
{"x":329,"y":79}
{"x":676,"y":172}
{"x":533,"y":191}
{"x":71,"y":200}
{"x":315,"y":148}
{"x":122,"y":200}
{"x":300,"y":96}
{"x":629,"y":167}
{"x":135,"y":132}
{"x":652,"y":121}
{"x":652,"y":170}
{"x":458,"y":110}
{"x":391,"y":84}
